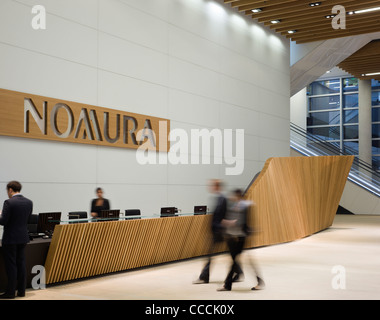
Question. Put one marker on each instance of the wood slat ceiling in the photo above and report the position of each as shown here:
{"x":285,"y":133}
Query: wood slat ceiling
{"x":310,"y":22}
{"x":364,"y":61}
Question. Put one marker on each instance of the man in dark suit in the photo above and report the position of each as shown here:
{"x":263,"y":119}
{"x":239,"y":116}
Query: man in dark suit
{"x":217,"y":229}
{"x":14,"y":218}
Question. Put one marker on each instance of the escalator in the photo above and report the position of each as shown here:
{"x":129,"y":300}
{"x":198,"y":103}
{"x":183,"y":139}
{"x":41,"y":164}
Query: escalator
{"x":363,"y":187}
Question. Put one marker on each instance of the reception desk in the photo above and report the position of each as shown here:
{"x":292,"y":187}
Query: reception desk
{"x":88,"y":249}
{"x":294,"y":198}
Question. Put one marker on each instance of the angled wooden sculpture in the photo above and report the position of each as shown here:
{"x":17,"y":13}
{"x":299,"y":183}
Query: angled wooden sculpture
{"x":294,"y":197}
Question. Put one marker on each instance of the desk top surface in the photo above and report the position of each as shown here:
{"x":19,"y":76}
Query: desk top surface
{"x":35,"y":241}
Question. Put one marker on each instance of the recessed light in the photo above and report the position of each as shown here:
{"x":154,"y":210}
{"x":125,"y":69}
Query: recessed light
{"x":367,"y":10}
{"x":371,"y":74}
{"x":315,"y":4}
{"x":275,"y":21}
{"x":292,"y":31}
{"x":257,"y":10}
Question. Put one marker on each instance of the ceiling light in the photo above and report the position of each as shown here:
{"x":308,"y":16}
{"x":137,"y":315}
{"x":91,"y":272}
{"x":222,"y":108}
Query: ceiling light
{"x":275,"y":21}
{"x":315,"y":4}
{"x":292,"y":31}
{"x":367,"y":10}
{"x":257,"y":10}
{"x":371,"y":74}
{"x":351,"y":12}
{"x":330,"y":16}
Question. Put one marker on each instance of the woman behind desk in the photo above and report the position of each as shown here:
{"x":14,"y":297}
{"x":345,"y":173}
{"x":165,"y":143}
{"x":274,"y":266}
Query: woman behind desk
{"x":99,"y":204}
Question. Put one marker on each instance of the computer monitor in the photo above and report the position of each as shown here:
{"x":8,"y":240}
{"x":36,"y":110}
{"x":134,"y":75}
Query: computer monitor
{"x":133,"y":214}
{"x":168,"y":212}
{"x":109,"y":215}
{"x":199,"y":210}
{"x":32,"y":224}
{"x":78,"y":215}
{"x":47,"y":221}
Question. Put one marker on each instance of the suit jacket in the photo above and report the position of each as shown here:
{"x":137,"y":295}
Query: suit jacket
{"x":239,"y":212}
{"x":14,"y":218}
{"x":219,"y":214}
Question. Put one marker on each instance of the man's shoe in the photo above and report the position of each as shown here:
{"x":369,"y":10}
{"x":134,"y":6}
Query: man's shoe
{"x":238,"y":277}
{"x":7,"y":296}
{"x":260,"y":284}
{"x":21,"y":294}
{"x":223,"y":289}
{"x":200,"y":281}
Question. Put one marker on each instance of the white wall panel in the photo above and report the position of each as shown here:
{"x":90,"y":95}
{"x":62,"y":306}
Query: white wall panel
{"x":126,"y":22}
{"x":116,"y":165}
{"x":274,"y":127}
{"x":61,"y":38}
{"x":239,"y":93}
{"x":126,"y":58}
{"x":193,"y":79}
{"x":234,"y":117}
{"x":31,"y":72}
{"x":84,"y":12}
{"x":47,"y":162}
{"x":159,"y":9}
{"x":188,"y":108}
{"x":271,"y":148}
{"x":206,"y":19}
{"x":189,"y":47}
{"x":129,"y":94}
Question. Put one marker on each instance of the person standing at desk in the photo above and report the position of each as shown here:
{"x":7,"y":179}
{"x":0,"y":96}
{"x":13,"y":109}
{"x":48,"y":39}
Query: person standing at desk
{"x":14,"y":218}
{"x":99,"y":204}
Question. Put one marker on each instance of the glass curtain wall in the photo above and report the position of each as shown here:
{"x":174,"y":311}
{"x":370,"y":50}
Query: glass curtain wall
{"x":376,"y":123}
{"x":333,"y":113}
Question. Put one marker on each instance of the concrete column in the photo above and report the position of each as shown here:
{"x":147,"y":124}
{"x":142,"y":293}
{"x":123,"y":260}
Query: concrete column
{"x":365,"y":121}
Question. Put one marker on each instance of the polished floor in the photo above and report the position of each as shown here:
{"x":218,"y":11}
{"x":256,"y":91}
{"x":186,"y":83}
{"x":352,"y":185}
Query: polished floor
{"x":342,"y":262}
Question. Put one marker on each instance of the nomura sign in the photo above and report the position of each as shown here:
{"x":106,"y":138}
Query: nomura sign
{"x":31,"y":116}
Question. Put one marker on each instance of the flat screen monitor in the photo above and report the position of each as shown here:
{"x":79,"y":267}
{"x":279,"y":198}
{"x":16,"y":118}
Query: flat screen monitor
{"x":109,"y":214}
{"x":78,"y":215}
{"x":32,"y":224}
{"x":47,"y":221}
{"x":198,"y":210}
{"x":133,"y":214}
{"x":168,"y":212}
